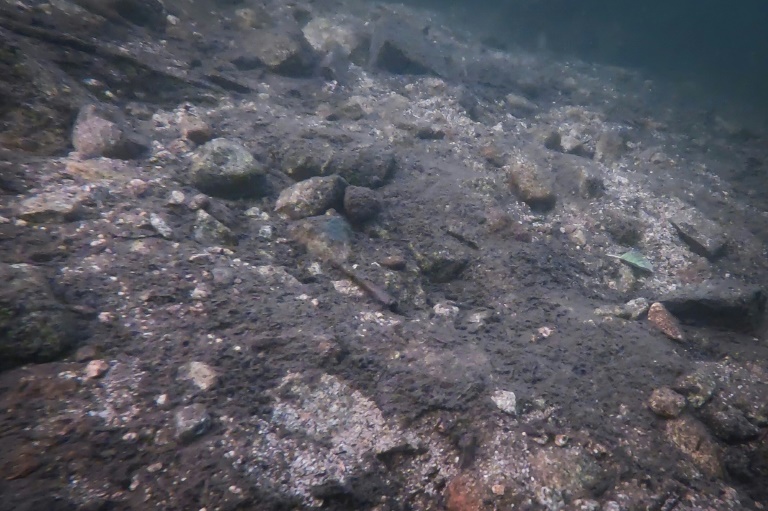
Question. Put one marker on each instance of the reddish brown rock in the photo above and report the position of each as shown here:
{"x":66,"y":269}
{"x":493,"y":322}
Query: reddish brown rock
{"x":393,"y":262}
{"x":463,"y":494}
{"x":196,"y":130}
{"x":21,"y":463}
{"x":665,"y":322}
{"x":666,"y":403}
{"x":87,"y":353}
{"x":96,"y":369}
{"x":95,"y":134}
{"x":693,"y":439}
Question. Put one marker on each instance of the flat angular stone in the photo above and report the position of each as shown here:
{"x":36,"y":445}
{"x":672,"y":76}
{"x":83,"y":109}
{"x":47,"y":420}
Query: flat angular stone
{"x":724,"y":303}
{"x":703,"y":236}
{"x":282,"y":50}
{"x":58,"y":206}
{"x":399,"y":48}
{"x":191,"y":422}
{"x":328,"y":237}
{"x":209,"y":231}
{"x":95,"y":134}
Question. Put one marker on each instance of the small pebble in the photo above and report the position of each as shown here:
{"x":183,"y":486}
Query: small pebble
{"x":196,"y":130}
{"x":138,"y":187}
{"x":96,"y":369}
{"x":393,"y":262}
{"x":222,"y":276}
{"x":506,"y":401}
{"x":106,"y":317}
{"x":202,"y":375}
{"x":666,"y":403}
{"x":200,"y":292}
{"x":176,"y":198}
{"x":191,"y":421}
{"x":159,"y":225}
{"x":199,"y":201}
{"x":154,"y":467}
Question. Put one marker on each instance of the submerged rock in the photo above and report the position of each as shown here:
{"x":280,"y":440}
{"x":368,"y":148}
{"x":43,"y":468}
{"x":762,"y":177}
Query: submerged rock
{"x":719,"y":302}
{"x":191,"y":422}
{"x":361,"y":204}
{"x":464,"y":493}
{"x":57,"y":206}
{"x":339,"y":32}
{"x":610,"y":146}
{"x":531,"y":185}
{"x":282,"y":50}
{"x":727,"y":422}
{"x":506,"y":401}
{"x":702,"y":235}
{"x":200,"y":374}
{"x":440,"y":262}
{"x":328,"y":237}
{"x":224,"y":168}
{"x":311,"y":197}
{"x":666,"y":403}
{"x":665,"y":322}
{"x":400,"y":48}
{"x":371,"y":165}
{"x":34,"y":326}
{"x":209,"y":231}
{"x":195,"y":129}
{"x":693,"y":439}
{"x":305,"y":157}
{"x":698,"y":387}
{"x":98,"y":133}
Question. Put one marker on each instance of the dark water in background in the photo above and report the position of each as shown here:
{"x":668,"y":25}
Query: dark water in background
{"x":720,"y":45}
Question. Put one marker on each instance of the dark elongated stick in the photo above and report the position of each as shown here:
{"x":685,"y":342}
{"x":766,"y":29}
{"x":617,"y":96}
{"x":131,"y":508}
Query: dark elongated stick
{"x":376,"y":292}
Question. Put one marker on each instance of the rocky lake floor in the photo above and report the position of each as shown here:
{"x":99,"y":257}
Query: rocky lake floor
{"x":343,"y":255}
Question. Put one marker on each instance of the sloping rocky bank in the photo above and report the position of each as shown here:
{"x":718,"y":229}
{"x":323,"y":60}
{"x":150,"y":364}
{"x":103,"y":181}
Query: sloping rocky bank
{"x":341,"y":255}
